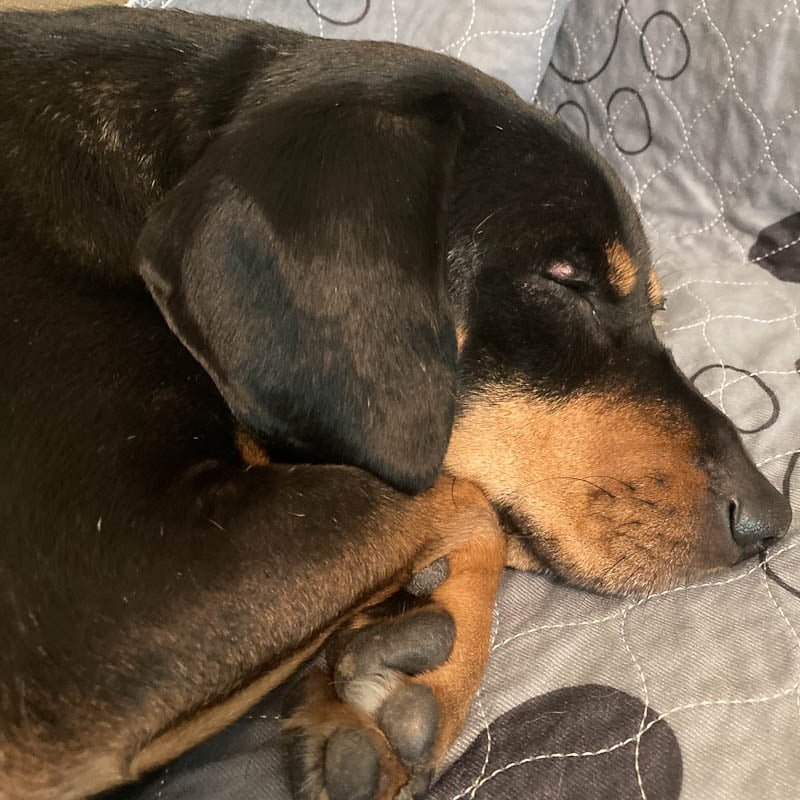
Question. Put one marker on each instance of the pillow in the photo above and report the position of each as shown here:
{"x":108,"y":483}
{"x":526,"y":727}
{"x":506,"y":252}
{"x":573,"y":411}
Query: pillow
{"x":510,"y":39}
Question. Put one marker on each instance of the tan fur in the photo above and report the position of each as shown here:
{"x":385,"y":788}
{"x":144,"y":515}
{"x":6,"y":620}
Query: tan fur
{"x":252,"y":453}
{"x":621,"y":269}
{"x":89,"y":770}
{"x":322,"y":713}
{"x":468,"y":595}
{"x":520,"y":557}
{"x":655,"y":294}
{"x":449,"y":516}
{"x":461,"y":336}
{"x":608,"y":488}
{"x":458,"y":522}
{"x":475,"y":560}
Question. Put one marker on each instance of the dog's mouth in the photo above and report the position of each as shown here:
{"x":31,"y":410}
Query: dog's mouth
{"x":627,"y":570}
{"x":525,"y":549}
{"x":511,"y":523}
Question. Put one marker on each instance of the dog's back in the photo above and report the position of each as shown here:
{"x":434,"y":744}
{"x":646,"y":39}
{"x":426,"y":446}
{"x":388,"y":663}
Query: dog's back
{"x":104,"y":110}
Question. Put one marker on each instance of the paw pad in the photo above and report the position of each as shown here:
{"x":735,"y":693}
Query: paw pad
{"x":352,"y":766}
{"x":368,"y":732}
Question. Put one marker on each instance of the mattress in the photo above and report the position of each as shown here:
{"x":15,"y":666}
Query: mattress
{"x":692,"y":692}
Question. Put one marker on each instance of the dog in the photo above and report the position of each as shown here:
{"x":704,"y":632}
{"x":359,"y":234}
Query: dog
{"x":286,"y":321}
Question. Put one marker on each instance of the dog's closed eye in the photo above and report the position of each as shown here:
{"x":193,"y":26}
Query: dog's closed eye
{"x":575,"y":278}
{"x":568,"y":274}
{"x":564,"y":273}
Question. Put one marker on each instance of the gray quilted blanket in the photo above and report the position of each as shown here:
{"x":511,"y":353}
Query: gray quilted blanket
{"x":694,"y":692}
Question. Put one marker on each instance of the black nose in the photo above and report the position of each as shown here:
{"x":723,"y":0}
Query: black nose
{"x":758,"y":515}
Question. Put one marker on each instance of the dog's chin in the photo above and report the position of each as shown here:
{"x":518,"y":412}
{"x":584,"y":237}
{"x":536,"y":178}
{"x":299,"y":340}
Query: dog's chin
{"x":534,"y":550}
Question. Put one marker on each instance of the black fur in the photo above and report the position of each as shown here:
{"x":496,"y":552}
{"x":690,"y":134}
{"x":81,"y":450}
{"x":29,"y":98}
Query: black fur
{"x":209,"y":224}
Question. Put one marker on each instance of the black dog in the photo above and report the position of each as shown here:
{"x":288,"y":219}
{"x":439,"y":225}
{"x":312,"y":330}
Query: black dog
{"x":225,"y":245}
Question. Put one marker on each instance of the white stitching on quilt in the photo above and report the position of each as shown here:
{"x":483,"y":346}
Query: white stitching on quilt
{"x":751,"y":374}
{"x":714,"y":351}
{"x":646,"y":704}
{"x":539,"y":67}
{"x":631,"y":739}
{"x":466,"y":33}
{"x":788,"y":624}
{"x":777,"y":457}
{"x":318,"y":4}
{"x":774,"y":553}
{"x":743,"y":317}
{"x":473,"y":788}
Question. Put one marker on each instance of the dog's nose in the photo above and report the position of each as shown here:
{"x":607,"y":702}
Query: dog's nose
{"x":759,"y":516}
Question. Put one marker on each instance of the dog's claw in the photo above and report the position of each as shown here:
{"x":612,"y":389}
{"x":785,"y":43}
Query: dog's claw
{"x":419,"y":783}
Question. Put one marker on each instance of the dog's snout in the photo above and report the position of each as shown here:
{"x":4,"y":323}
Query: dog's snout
{"x":759,"y":515}
{"x":755,"y":511}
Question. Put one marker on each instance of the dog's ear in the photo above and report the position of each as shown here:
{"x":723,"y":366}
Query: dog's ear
{"x":302,"y":262}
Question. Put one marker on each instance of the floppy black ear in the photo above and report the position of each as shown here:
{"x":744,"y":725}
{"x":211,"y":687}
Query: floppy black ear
{"x":301,"y":261}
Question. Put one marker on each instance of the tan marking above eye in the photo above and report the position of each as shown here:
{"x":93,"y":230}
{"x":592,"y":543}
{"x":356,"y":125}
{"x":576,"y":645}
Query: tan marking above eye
{"x":655,"y":294}
{"x":461,"y":336}
{"x":622,"y":271}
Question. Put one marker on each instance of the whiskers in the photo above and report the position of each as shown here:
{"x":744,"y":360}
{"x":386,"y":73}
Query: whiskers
{"x":628,"y":489}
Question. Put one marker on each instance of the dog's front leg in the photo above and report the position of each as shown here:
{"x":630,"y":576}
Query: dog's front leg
{"x":378,"y":723}
{"x":203,"y":605}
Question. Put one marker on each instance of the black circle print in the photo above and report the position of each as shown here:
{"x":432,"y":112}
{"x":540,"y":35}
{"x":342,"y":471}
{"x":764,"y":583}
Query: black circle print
{"x":771,"y":396}
{"x":777,"y":248}
{"x":598,"y":72}
{"x":568,"y":111}
{"x":634,"y":117}
{"x":578,"y":719}
{"x":341,"y":22}
{"x":787,"y":478}
{"x":669,"y":41}
{"x":765,"y":565}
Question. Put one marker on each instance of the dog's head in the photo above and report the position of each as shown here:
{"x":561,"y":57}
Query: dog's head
{"x":391,"y":261}
{"x":607,"y":465}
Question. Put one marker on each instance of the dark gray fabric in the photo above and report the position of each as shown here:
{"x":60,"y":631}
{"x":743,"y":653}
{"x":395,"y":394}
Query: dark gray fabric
{"x":566,"y":723}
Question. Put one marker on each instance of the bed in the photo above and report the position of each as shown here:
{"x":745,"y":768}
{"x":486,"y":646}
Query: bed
{"x":693,"y":692}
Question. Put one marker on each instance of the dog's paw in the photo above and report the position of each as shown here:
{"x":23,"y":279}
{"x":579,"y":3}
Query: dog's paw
{"x":368,"y":729}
